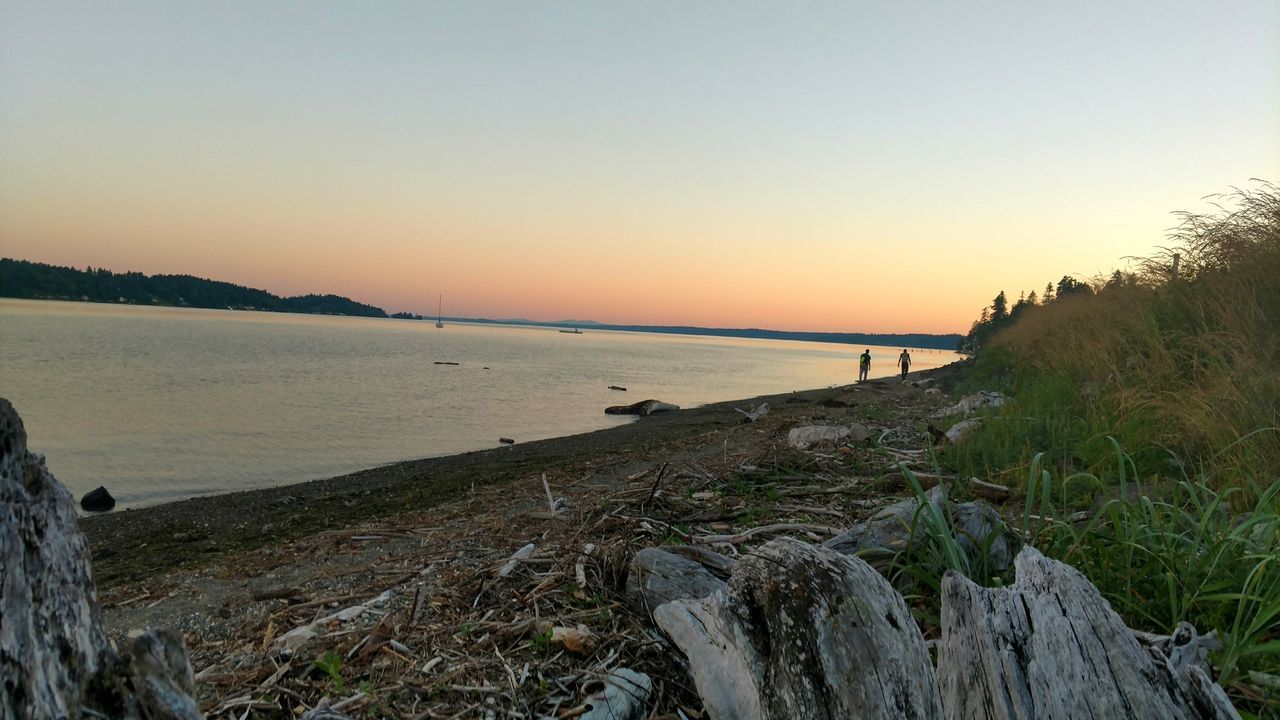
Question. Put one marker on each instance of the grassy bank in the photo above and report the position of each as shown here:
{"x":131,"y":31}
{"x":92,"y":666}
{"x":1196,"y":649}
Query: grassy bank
{"x":1150,"y":403}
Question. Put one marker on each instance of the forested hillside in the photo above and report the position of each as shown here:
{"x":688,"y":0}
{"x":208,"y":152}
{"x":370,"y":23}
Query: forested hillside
{"x":38,"y":281}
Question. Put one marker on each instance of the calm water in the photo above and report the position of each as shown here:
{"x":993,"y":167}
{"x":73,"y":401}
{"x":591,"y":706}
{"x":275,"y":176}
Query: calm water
{"x":164,"y":403}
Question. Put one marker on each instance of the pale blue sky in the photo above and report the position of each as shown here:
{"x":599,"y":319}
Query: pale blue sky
{"x":479,"y":149}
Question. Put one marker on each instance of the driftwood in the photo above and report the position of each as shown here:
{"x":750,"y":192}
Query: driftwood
{"x":802,"y":631}
{"x":755,"y":414}
{"x":718,"y":564}
{"x":520,"y":556}
{"x":644,"y":407}
{"x":55,"y":659}
{"x":1050,"y":646}
{"x":990,"y":491}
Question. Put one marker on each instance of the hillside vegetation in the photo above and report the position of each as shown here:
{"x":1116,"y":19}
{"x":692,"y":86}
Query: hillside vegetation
{"x":1145,"y":432}
{"x":38,"y":281}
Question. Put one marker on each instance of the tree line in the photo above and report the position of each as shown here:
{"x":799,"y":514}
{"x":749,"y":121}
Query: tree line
{"x":38,"y":281}
{"x":999,"y":314}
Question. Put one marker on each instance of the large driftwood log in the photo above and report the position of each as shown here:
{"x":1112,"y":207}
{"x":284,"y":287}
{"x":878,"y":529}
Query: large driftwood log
{"x":802,"y":631}
{"x":55,"y":660}
{"x":1050,"y":646}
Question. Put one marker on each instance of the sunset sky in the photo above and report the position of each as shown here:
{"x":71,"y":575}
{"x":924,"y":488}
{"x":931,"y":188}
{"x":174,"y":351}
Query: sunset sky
{"x":843,"y":166}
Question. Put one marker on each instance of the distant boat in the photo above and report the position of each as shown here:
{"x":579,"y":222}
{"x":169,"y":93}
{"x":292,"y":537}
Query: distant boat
{"x":440,"y":311}
{"x":574,"y":331}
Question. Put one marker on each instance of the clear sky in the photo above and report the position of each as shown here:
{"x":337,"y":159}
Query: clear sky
{"x":846,"y":166}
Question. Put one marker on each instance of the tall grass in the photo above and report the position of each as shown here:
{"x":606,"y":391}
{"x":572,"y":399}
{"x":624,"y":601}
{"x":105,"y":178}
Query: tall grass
{"x":1183,"y":556}
{"x":1189,"y":364}
{"x":1154,"y":404}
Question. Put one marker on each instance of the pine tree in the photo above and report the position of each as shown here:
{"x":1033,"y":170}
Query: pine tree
{"x":999,"y":308}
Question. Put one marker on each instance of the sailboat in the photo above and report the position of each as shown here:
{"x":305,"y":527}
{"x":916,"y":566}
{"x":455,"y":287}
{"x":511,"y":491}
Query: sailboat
{"x":440,"y":311}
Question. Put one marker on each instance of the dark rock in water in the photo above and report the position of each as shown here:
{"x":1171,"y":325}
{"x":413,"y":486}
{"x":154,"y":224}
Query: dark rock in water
{"x":506,"y":441}
{"x":97,"y":500}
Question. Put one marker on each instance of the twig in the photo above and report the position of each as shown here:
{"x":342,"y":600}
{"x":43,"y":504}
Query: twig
{"x":662,"y":470}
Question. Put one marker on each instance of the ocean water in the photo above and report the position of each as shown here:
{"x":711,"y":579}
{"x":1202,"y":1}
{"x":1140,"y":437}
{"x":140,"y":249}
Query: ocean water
{"x":159,"y":404}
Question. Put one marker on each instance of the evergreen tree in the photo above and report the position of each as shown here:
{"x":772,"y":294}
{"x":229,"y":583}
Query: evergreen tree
{"x":999,"y":308}
{"x":1069,"y":285}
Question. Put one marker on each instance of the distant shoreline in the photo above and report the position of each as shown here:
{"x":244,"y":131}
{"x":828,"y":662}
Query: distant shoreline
{"x":28,"y":280}
{"x":922,"y":341}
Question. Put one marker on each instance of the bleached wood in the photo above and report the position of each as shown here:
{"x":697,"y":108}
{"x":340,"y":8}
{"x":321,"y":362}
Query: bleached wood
{"x":802,"y":631}
{"x":55,"y":661}
{"x":1050,"y":646}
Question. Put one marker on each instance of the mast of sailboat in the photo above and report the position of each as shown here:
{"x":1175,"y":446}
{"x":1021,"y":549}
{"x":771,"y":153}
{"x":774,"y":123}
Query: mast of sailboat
{"x":440,"y":311}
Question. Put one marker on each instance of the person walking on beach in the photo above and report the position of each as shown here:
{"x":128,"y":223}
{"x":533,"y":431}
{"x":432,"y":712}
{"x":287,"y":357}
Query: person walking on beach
{"x":864,"y":365}
{"x":904,"y":362}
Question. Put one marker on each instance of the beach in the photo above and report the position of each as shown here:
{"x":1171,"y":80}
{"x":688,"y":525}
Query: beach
{"x":236,"y":572}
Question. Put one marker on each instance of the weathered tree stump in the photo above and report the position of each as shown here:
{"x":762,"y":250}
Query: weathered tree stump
{"x":802,"y":631}
{"x":1050,"y":646}
{"x":55,"y":661}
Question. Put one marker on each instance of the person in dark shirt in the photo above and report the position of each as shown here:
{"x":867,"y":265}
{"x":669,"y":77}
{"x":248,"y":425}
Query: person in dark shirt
{"x":864,"y":365}
{"x":904,"y":362}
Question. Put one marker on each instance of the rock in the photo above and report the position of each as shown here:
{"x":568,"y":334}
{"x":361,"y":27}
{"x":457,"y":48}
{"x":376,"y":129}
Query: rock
{"x":625,"y":697}
{"x":933,"y":392}
{"x":976,"y":527}
{"x":718,"y":564}
{"x":801,"y":631}
{"x":812,"y":436}
{"x":97,"y":500}
{"x":506,"y":441}
{"x":644,"y":407}
{"x":983,"y":537}
{"x":657,"y":577}
{"x":577,"y":640}
{"x":957,"y":432}
{"x":858,"y":434}
{"x":971,"y":403}
{"x":888,"y":532}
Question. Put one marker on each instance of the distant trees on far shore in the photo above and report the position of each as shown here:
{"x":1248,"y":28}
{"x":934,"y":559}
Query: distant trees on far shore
{"x":38,"y":281}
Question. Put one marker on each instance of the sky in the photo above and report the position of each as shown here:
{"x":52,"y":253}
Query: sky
{"x":829,"y":166}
